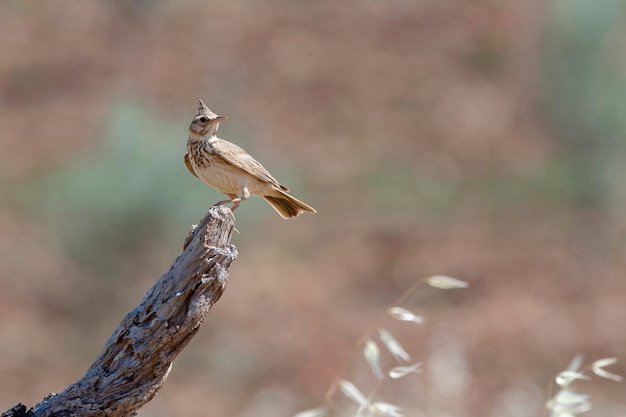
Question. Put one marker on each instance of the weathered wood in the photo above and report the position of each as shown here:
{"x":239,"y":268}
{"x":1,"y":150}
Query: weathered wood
{"x":17,"y":411}
{"x":138,"y":356}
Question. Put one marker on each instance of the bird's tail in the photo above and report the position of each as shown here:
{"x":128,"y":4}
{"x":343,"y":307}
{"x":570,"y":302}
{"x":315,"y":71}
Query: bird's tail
{"x":288,"y":206}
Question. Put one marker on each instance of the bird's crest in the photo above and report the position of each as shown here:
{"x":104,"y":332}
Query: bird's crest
{"x":203,"y":109}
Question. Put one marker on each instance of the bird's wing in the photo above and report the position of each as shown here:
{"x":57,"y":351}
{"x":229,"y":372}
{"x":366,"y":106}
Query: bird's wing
{"x":189,"y":167}
{"x":236,"y":156}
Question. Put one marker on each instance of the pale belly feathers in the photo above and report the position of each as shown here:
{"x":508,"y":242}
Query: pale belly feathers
{"x":231,"y":180}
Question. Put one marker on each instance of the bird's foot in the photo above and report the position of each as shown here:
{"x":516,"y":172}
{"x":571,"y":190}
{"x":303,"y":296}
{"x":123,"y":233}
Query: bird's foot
{"x":224,"y":202}
{"x":236,"y":201}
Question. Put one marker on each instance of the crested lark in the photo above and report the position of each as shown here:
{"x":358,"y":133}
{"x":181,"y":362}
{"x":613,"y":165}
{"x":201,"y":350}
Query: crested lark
{"x":229,"y":169}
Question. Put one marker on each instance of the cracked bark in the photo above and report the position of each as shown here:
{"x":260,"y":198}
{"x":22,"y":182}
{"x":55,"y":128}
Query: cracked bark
{"x":137,"y":358}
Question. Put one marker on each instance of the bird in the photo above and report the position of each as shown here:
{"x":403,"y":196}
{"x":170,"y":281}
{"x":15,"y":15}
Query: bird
{"x":228,"y":168}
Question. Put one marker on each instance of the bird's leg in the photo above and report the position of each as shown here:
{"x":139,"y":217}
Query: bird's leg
{"x":232,"y":199}
{"x":245,"y":194}
{"x":236,"y":202}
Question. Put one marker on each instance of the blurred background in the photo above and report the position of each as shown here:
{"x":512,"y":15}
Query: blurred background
{"x":478,"y":139}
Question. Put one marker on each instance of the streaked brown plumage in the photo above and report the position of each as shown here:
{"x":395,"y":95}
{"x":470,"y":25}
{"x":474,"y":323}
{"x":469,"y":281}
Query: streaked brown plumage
{"x":229,"y":169}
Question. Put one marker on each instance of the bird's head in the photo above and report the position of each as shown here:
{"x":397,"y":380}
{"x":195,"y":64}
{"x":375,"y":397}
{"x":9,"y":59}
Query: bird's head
{"x":205,"y":124}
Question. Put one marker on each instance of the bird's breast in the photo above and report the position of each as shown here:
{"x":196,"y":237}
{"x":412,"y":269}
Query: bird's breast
{"x":220,"y":174}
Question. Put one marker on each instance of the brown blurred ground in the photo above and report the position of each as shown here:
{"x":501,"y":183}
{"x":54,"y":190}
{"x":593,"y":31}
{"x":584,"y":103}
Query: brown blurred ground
{"x":477,"y":139}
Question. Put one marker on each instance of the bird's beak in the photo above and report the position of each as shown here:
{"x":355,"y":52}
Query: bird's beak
{"x":221,"y":118}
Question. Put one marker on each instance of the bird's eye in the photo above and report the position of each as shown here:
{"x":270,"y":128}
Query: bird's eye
{"x":203,"y":119}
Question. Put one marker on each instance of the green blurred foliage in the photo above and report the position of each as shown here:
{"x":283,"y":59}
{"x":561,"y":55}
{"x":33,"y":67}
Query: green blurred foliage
{"x":584,"y":86}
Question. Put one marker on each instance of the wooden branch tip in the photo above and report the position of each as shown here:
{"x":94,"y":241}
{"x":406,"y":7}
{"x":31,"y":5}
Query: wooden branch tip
{"x":138,"y":356}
